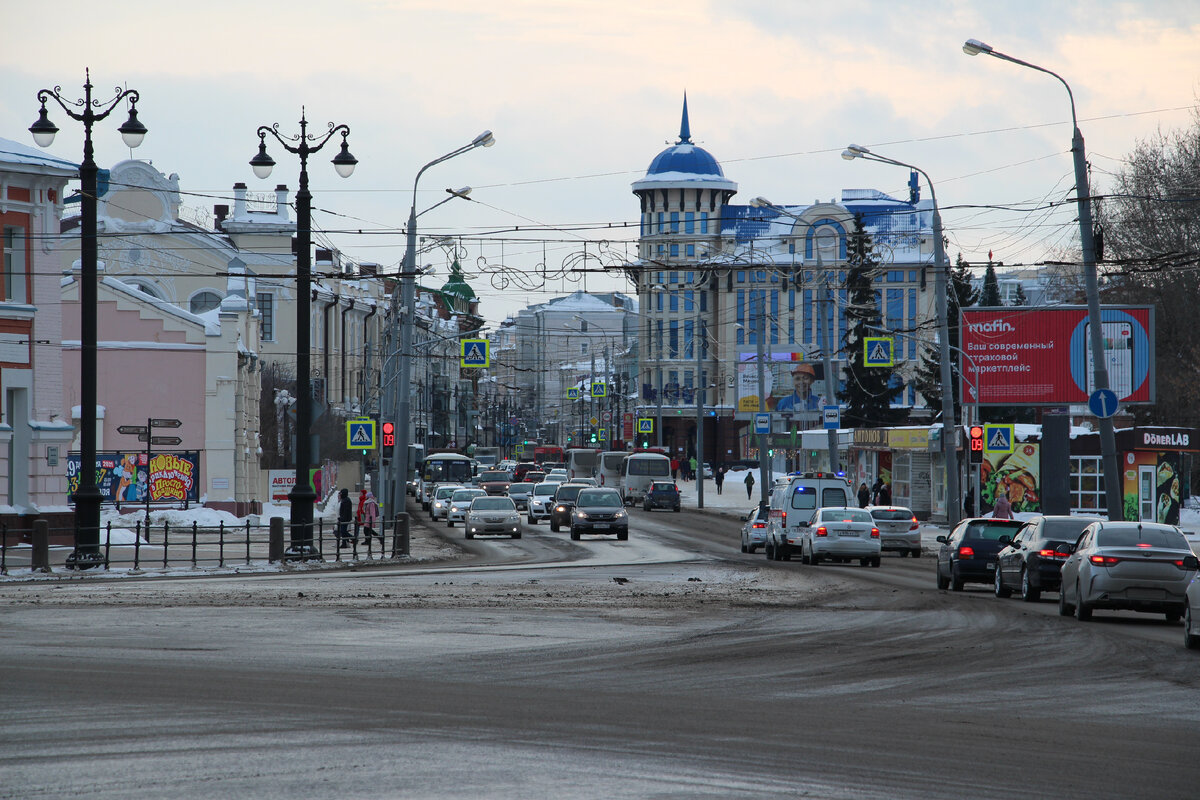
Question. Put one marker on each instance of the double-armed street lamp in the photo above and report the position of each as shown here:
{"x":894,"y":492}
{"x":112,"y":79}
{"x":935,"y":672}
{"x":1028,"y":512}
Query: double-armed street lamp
{"x":405,"y":311}
{"x":87,"y":495}
{"x":941,"y":289}
{"x":1108,"y":441}
{"x":302,"y":495}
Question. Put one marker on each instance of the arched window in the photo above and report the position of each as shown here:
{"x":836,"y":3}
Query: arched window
{"x":147,"y":287}
{"x":204,"y":301}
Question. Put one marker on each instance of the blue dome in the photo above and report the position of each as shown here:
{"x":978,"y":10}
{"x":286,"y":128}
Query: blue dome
{"x":685,"y":158}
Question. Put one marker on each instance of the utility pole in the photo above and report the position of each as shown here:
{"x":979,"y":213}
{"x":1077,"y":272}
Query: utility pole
{"x":763,"y":463}
{"x":826,"y":323}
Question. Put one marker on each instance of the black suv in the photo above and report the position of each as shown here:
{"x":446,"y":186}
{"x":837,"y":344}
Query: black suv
{"x":564,"y":504}
{"x":1031,"y":563}
{"x":600,"y":511}
{"x":661,"y":494}
{"x":968,"y":554}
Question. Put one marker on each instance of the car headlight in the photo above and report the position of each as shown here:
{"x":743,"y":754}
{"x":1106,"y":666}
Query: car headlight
{"x":581,"y":514}
{"x":561,"y":508}
{"x":621,"y":514}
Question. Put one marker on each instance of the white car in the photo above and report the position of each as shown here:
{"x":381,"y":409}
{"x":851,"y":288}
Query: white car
{"x":460,"y":503}
{"x":841,"y":534}
{"x":541,"y":501}
{"x":439,"y":503}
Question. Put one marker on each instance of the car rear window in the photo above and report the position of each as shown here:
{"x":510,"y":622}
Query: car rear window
{"x":1135,"y":537}
{"x":520,"y":488}
{"x":567,"y":492}
{"x":545,"y":489}
{"x":493,"y":476}
{"x":804,"y":497}
{"x":466,"y":494}
{"x":1067,"y":530}
{"x":891,"y":514}
{"x":845,"y":515}
{"x":992,"y":531}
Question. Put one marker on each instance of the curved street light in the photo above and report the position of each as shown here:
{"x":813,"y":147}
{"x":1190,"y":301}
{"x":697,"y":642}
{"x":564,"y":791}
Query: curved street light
{"x":1087,"y":243}
{"x":949,"y":418}
{"x":302,"y":496}
{"x":87,"y":494}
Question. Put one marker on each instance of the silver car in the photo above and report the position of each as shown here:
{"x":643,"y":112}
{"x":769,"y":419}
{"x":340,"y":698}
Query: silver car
{"x":439,"y":503}
{"x":1139,"y":566}
{"x":460,"y":501}
{"x":754,"y":528}
{"x":898,"y":529}
{"x":492,"y":515}
{"x":1191,"y":616}
{"x":840,"y":534}
{"x":519,"y":492}
{"x":541,"y":500}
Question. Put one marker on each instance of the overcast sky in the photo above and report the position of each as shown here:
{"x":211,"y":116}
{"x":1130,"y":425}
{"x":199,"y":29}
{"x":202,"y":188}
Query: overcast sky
{"x":582,"y":95}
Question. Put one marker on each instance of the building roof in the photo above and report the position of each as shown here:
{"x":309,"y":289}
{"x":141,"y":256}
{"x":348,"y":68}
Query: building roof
{"x":684,"y":164}
{"x":15,"y":153}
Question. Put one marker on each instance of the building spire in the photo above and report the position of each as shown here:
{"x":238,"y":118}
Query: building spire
{"x":685,"y":130}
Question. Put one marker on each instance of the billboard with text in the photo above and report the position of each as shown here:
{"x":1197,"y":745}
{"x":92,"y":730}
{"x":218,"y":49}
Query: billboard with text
{"x":1041,"y":356}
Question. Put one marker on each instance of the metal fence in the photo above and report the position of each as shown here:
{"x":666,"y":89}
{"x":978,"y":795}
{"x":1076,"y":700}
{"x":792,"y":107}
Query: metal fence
{"x":140,"y":547}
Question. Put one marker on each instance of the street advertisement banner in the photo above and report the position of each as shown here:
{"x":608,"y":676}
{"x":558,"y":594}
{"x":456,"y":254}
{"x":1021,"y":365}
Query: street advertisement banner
{"x":282,"y":481}
{"x":1017,"y":474}
{"x":129,"y":477}
{"x":793,"y":384}
{"x":1024,"y":356}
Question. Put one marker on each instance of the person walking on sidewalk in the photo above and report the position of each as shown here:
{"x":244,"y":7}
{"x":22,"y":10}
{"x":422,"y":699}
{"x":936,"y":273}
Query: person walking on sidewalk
{"x":749,"y":485}
{"x":368,"y":515}
{"x":692,"y":468}
{"x":345,"y":516}
{"x":719,"y":478}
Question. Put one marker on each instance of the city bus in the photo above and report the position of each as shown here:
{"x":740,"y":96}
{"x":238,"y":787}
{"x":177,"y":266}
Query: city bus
{"x":582,"y":462}
{"x":547,"y":452}
{"x":442,"y":468}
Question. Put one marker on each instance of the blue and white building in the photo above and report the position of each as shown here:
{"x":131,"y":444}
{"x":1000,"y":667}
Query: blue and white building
{"x":710,"y":274}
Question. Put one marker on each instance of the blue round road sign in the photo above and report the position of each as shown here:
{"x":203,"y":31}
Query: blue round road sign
{"x":1103,"y":403}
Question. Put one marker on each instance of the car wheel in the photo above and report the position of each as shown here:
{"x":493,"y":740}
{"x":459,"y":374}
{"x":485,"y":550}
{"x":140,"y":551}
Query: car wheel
{"x":1065,"y":609}
{"x":1173,"y":615}
{"x":915,"y":553}
{"x":814,"y":559}
{"x":574,"y":533}
{"x":554,"y":526}
{"x":805,"y":558}
{"x":956,"y":583}
{"x":531,"y":519}
{"x":1000,"y":589}
{"x":676,"y":509}
{"x":1083,"y":611}
{"x":1190,"y":641}
{"x":943,"y":582}
{"x":516,"y":536}
{"x":449,"y":523}
{"x":623,"y":536}
{"x":876,"y":561}
{"x":470,"y":535}
{"x":767,"y":551}
{"x":785,"y":553}
{"x":744,"y":546}
{"x":864,"y":562}
{"x":1028,"y":593}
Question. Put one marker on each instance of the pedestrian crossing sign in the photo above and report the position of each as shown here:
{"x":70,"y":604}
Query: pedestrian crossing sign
{"x":474,"y":353}
{"x":573,"y":393}
{"x":645,"y":425}
{"x":879,"y":351}
{"x":360,"y":434}
{"x":998,"y":438}
{"x":599,"y":390}
{"x":602,"y":435}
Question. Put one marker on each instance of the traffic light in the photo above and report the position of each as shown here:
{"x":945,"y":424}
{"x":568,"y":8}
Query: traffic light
{"x":976,"y":443}
{"x":593,"y":436}
{"x":389,"y":439}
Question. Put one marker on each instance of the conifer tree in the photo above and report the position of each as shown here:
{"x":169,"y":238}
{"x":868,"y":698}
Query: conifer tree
{"x":868,"y":391}
{"x":990,"y":296}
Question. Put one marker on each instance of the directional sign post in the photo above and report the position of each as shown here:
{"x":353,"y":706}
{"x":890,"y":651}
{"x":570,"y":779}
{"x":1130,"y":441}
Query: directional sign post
{"x":1103,"y":403}
{"x":475,"y":353}
{"x":145,"y":433}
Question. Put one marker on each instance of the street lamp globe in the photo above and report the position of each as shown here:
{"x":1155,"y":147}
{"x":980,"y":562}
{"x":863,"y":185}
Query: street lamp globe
{"x":43,"y":130}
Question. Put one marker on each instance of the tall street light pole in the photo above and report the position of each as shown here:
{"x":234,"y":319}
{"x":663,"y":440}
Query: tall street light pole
{"x":1108,"y":440}
{"x":302,"y":496}
{"x":407,"y":310}
{"x":87,"y":495}
{"x":940,"y":290}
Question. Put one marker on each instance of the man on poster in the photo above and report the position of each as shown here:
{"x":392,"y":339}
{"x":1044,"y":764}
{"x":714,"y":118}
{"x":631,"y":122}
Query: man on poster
{"x":801,"y":398}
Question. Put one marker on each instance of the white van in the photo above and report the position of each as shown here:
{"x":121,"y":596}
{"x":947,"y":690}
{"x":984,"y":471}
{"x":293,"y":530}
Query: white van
{"x":793,"y":502}
{"x":638,"y":471}
{"x":582,"y":462}
{"x":609,"y":470}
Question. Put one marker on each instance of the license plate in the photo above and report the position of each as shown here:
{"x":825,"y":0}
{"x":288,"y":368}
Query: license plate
{"x":992,"y":565}
{"x":847,"y":533}
{"x":600,"y":525}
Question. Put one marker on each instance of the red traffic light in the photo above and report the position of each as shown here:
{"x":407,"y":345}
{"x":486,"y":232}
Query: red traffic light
{"x":976,"y":430}
{"x":389,"y":427}
{"x":389,"y":434}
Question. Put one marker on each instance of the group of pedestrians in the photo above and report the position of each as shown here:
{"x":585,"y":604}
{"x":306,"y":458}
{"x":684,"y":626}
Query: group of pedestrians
{"x":687,"y":467}
{"x":367,"y":517}
{"x":880,"y":494}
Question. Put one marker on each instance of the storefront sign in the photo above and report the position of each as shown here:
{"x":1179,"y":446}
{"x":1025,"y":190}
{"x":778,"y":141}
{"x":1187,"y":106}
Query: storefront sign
{"x":909,"y":439}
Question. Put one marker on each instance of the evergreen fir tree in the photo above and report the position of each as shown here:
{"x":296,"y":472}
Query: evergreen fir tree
{"x":1020,"y":299}
{"x":990,"y":296}
{"x":868,"y":392}
{"x":928,"y":380}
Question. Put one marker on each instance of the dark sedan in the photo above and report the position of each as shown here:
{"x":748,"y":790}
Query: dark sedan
{"x":564,"y":504}
{"x":1031,"y":564}
{"x":599,"y":511}
{"x":661,"y":494}
{"x":968,"y":554}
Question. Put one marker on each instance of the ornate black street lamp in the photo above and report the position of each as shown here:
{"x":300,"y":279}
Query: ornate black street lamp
{"x":302,"y":495}
{"x":87,"y":495}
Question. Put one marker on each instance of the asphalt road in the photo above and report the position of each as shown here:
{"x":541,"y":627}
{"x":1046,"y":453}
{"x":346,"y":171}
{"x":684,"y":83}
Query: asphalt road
{"x":668,"y":666}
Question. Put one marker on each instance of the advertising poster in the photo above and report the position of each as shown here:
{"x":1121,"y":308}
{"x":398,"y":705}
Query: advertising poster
{"x":282,"y":481}
{"x":129,"y":477}
{"x":1025,"y":356}
{"x":1018,"y":474}
{"x":1163,"y":489}
{"x":793,"y":384}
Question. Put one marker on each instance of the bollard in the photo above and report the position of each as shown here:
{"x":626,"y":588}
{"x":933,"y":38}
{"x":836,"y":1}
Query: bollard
{"x":275,"y":543}
{"x":400,"y":536}
{"x":41,"y":546}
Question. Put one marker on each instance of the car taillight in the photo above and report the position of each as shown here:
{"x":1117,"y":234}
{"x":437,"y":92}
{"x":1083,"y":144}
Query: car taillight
{"x":1104,"y":561}
{"x":874,"y":533}
{"x":760,"y":525}
{"x":822,"y":531}
{"x":966,"y":552}
{"x":1052,"y":554}
{"x":914,"y":525}
{"x":785,"y":518}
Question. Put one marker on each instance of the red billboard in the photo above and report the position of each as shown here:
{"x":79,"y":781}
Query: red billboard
{"x":1026,"y":356}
